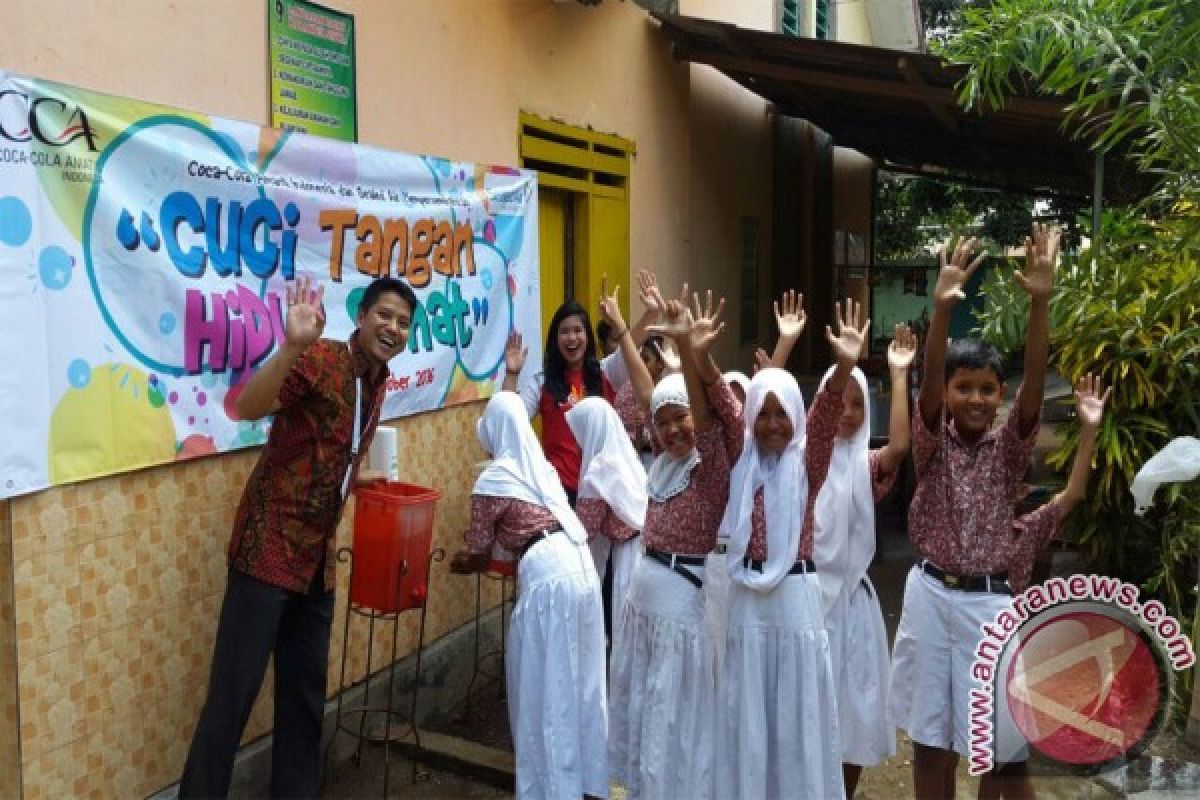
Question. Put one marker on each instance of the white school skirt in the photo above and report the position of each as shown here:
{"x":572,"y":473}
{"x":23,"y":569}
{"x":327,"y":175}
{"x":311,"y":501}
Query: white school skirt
{"x":858,"y":651}
{"x":554,"y":669}
{"x":779,"y":731}
{"x":625,"y":556}
{"x":661,"y":693}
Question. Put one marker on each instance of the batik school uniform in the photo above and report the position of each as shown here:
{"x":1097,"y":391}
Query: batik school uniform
{"x":739,"y":380}
{"x":662,"y":688}
{"x":636,"y":423}
{"x":843,"y":548}
{"x":778,"y":734}
{"x":562,"y":451}
{"x":961,"y":523}
{"x":716,"y":572}
{"x":555,"y":662}
{"x":1032,"y":532}
{"x":612,"y":495}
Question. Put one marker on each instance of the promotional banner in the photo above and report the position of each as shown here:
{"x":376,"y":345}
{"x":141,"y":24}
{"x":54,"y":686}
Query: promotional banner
{"x":145,"y":254}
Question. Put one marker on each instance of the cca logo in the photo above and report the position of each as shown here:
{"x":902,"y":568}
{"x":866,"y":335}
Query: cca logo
{"x":45,"y":119}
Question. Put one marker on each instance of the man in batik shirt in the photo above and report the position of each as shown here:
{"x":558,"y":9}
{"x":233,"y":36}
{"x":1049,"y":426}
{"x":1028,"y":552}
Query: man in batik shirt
{"x":326,"y":396}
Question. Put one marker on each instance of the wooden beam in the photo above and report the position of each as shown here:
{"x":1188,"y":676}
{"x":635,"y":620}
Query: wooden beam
{"x":913,"y":76}
{"x":853,"y":83}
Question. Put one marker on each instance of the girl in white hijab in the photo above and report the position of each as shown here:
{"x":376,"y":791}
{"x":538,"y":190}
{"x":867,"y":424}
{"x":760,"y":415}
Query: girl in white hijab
{"x":662,"y":687}
{"x":612,"y":493}
{"x":844,"y":545}
{"x":778,"y":731}
{"x":554,"y":665}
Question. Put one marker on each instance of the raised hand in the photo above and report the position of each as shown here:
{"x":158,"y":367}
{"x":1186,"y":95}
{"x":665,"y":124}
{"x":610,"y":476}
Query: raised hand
{"x":610,"y":308}
{"x":1090,"y":397}
{"x":1041,"y":255}
{"x":676,"y":320}
{"x":790,"y":321}
{"x":648,"y":291}
{"x":849,"y":339}
{"x":305,"y":314}
{"x":903,"y":348}
{"x":704,"y":323}
{"x":670,"y":359}
{"x":953,"y":275}
{"x":761,"y":360}
{"x":515,"y":354}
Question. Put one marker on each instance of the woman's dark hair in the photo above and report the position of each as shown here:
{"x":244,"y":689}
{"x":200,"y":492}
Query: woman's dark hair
{"x":555,"y":366}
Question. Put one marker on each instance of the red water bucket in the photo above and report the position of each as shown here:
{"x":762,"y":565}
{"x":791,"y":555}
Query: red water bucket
{"x":393,"y":535}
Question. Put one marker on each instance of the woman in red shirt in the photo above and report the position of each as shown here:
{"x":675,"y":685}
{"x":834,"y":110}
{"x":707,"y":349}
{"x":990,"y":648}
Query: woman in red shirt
{"x":570,"y":372}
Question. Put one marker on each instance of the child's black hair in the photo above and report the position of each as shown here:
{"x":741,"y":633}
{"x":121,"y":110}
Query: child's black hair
{"x":656,"y":343}
{"x":973,"y":354}
{"x":379,"y":286}
{"x":555,"y":366}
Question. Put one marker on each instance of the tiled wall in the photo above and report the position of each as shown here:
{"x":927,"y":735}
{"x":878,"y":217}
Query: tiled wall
{"x":118,"y":583}
{"x":10,"y":755}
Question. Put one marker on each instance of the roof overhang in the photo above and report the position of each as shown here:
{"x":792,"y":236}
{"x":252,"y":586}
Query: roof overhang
{"x":900,"y":108}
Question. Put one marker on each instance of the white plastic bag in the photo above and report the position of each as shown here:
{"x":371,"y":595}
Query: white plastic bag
{"x":1178,"y":461}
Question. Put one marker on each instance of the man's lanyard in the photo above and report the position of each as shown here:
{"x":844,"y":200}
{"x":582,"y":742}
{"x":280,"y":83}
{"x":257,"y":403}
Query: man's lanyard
{"x":356,"y":433}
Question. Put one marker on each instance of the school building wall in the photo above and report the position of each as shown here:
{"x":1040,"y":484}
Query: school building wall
{"x":730,"y":167}
{"x":109,"y":589}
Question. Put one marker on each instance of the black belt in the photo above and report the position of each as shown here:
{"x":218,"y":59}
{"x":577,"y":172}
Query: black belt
{"x":676,"y":564}
{"x":537,"y":537}
{"x":996,"y":584}
{"x":801,"y":567}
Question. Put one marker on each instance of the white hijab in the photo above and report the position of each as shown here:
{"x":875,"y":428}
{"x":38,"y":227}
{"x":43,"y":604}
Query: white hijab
{"x":735,"y":378}
{"x":519,"y":470}
{"x":844,"y":514}
{"x":610,"y":468}
{"x":784,"y":482}
{"x":669,"y":476}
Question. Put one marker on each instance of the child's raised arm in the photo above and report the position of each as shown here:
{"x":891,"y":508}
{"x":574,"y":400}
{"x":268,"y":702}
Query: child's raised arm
{"x":952,"y":277}
{"x":695,"y":350}
{"x":655,"y":306}
{"x":1041,"y":253}
{"x":847,"y":344}
{"x":639,"y":376}
{"x":901,"y":353}
{"x":1090,"y":397}
{"x":790,"y":323}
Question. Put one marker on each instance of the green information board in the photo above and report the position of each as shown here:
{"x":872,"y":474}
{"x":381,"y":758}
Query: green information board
{"x":311,"y":50}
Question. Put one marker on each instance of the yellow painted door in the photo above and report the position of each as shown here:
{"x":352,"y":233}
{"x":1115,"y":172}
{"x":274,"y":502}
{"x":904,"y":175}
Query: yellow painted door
{"x":604,"y":252}
{"x":582,"y":239}
{"x":552,"y":237}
